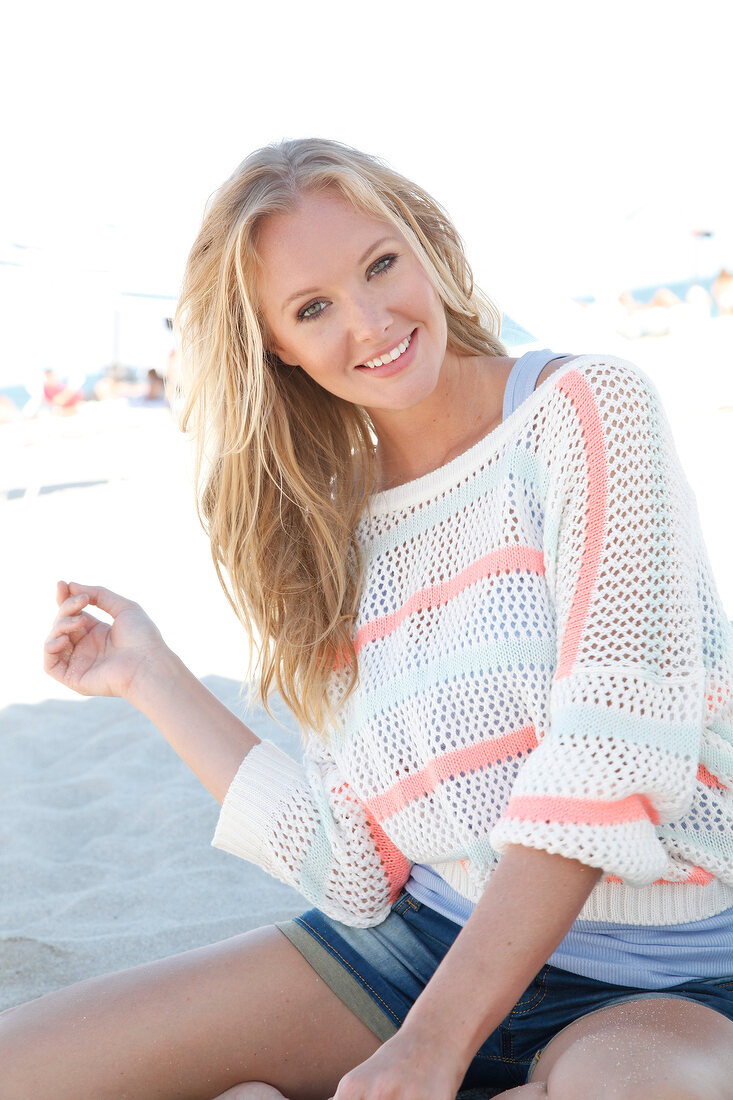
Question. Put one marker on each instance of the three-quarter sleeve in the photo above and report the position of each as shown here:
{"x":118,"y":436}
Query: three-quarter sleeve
{"x":620,"y":752}
{"x":303,"y":825}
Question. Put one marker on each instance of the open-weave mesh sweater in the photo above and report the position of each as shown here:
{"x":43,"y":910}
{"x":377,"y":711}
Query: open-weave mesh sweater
{"x":543,"y":660}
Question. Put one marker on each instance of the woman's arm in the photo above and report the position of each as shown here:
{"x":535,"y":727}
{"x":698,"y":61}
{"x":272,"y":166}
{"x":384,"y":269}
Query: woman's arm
{"x":204,"y":732}
{"x":527,"y":908}
{"x":277,"y":811}
{"x":129,"y":659}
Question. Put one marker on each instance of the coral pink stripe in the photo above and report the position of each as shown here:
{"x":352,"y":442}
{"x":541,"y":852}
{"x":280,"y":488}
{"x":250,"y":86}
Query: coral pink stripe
{"x":575,"y":387}
{"x":395,"y":866}
{"x":510,"y":559}
{"x":708,"y":779}
{"x":554,"y":809}
{"x":472,"y":758}
{"x":698,"y":876}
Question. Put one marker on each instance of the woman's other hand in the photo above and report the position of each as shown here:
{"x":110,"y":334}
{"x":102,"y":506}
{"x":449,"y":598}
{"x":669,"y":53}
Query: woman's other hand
{"x":95,"y":657}
{"x":406,"y":1067}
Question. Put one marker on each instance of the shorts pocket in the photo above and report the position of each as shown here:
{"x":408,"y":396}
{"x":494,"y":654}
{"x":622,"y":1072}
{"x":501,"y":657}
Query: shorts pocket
{"x":533,"y":995}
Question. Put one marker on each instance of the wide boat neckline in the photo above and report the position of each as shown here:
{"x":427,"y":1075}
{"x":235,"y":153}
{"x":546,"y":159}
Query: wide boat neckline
{"x":427,"y":485}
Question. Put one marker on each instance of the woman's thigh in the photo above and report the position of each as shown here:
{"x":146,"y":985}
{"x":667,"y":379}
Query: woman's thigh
{"x":186,"y":1028}
{"x":659,"y":1049}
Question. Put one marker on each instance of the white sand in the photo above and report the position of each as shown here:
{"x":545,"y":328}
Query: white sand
{"x":105,"y":858}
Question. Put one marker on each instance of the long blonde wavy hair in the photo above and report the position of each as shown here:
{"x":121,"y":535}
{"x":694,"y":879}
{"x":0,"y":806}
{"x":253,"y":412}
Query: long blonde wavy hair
{"x":284,"y":468}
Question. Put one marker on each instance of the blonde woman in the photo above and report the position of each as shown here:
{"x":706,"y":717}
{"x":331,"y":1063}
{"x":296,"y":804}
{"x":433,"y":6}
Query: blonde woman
{"x":480,"y":585}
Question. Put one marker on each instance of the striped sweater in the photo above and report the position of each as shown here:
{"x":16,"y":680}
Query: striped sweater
{"x":543,"y":660}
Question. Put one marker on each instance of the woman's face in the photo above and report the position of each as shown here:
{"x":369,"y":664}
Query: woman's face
{"x":345,"y":298}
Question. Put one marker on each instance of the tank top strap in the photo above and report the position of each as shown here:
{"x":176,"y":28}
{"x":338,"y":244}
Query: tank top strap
{"x":523,"y":377}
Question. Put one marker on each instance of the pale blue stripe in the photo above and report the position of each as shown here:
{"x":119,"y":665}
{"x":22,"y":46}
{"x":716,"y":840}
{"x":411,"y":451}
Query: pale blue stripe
{"x":603,"y":723}
{"x":487,"y":659}
{"x":521,"y":464}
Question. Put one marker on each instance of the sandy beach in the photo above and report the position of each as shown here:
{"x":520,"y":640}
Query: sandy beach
{"x":105,"y":857}
{"x":105,"y":854}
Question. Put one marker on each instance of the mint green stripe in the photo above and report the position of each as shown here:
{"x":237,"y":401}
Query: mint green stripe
{"x":316,"y":863}
{"x":605,"y":724}
{"x":713,"y":842}
{"x":718,"y":759}
{"x":478,"y":852}
{"x":659,"y":563}
{"x":723,"y":729}
{"x":315,"y":867}
{"x":521,"y":464}
{"x":487,"y":659}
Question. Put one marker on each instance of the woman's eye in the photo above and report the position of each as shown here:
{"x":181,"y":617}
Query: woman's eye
{"x":382,"y":265}
{"x":314,"y":309}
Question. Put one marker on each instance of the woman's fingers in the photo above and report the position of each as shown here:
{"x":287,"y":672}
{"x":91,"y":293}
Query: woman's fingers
{"x":71,"y":606}
{"x":68,"y":624}
{"x":70,"y":615}
{"x":103,"y":598}
{"x":63,"y":631}
{"x":71,"y":622}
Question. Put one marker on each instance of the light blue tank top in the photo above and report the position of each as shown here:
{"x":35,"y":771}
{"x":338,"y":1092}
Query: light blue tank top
{"x":622,"y":954}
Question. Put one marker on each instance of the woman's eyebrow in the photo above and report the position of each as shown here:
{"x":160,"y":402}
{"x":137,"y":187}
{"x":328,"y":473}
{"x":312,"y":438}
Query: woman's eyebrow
{"x":314,"y":289}
{"x":372,"y":248}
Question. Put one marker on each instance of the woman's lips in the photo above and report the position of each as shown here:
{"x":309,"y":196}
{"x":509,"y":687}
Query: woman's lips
{"x":385,"y":370}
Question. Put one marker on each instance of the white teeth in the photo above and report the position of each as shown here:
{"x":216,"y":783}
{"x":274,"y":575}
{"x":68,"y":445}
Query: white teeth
{"x":390,"y":357}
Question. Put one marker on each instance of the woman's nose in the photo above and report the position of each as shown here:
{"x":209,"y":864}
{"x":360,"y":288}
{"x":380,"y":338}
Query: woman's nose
{"x":370,"y":318}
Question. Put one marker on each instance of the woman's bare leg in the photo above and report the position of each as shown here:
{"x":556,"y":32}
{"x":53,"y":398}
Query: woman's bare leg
{"x":186,"y":1028}
{"x":660,"y":1049}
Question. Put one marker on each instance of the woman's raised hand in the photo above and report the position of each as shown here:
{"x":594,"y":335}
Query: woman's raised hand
{"x":94,"y":657}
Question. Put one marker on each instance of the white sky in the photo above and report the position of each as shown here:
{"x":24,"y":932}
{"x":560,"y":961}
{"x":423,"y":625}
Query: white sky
{"x":541,"y":126}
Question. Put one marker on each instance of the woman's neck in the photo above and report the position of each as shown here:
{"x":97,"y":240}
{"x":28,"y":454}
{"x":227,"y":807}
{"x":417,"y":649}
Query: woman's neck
{"x":464,"y":407}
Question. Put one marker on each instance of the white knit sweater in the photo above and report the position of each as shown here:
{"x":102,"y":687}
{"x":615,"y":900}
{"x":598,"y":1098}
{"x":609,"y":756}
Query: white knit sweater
{"x":543,"y":660}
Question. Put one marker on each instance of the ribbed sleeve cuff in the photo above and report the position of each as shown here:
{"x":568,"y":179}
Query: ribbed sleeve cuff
{"x":265,"y":779}
{"x":630,"y":851}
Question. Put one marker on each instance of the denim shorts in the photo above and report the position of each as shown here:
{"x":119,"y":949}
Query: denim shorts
{"x":379,"y":973}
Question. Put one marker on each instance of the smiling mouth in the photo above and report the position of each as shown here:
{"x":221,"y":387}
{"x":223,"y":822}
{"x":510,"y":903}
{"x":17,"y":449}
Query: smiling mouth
{"x":389,"y":356}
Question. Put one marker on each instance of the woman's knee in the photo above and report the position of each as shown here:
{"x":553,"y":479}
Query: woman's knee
{"x":658,"y":1049}
{"x":665,"y":1049}
{"x":594,"y":1069}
